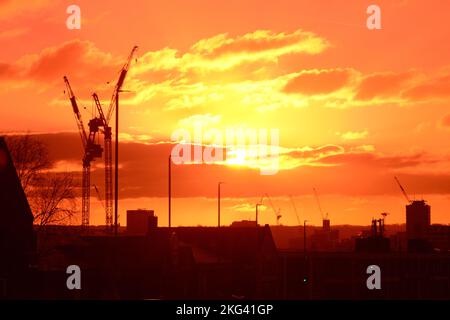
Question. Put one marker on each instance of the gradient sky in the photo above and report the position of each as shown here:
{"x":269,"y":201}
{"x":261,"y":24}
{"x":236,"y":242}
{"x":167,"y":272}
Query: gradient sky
{"x":354,"y":107}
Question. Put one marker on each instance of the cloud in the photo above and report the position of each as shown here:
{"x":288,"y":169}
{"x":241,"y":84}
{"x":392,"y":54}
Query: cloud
{"x":246,"y":207}
{"x":385,"y":84}
{"x":430,"y":89}
{"x":238,"y":78}
{"x":370,"y":159}
{"x":209,"y":72}
{"x":403,"y":88}
{"x":222,"y":52}
{"x":263,"y":44}
{"x":76,"y":58}
{"x":200,"y":120}
{"x":315,"y":152}
{"x":80,"y":60}
{"x":143,"y":172}
{"x":354,"y":135}
{"x":312,"y":82}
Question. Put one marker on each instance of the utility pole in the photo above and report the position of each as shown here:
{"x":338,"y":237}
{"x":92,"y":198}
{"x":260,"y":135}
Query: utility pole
{"x":218,"y":203}
{"x":304,"y":236}
{"x":170,"y":189}
{"x":257,"y":205}
{"x":116,"y":170}
{"x":305,"y":275}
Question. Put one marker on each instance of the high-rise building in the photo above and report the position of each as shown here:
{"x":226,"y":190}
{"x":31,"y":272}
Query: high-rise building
{"x":141,"y":221}
{"x":417,"y":219}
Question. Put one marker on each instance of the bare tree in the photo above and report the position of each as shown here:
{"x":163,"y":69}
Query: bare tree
{"x":30,"y":157}
{"x":51,"y":195}
{"x":53,"y":202}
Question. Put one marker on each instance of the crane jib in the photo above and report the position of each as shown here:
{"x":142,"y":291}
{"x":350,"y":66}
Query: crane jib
{"x":74,"y":105}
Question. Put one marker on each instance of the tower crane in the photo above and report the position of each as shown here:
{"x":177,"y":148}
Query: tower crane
{"x":275,"y":211}
{"x":403,"y":190}
{"x":107,"y":138}
{"x":91,"y":150}
{"x":99,"y":196}
{"x":324,"y":217}
{"x":107,"y":135}
{"x":295,"y":210}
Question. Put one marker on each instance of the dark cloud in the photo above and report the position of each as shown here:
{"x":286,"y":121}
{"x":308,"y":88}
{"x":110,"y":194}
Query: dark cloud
{"x":80,"y":60}
{"x":434,"y":88}
{"x":144,"y":172}
{"x":383,"y":85}
{"x":374,"y":160}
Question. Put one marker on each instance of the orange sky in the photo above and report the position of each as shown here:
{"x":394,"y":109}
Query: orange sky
{"x":354,"y":107}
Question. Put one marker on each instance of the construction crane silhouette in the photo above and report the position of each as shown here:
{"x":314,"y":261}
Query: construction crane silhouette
{"x":91,"y":150}
{"x":403,"y":190}
{"x":107,"y":136}
{"x":295,"y":210}
{"x":107,"y":142}
{"x":324,"y":217}
{"x":275,"y":211}
{"x":384,"y":214}
{"x":99,"y":196}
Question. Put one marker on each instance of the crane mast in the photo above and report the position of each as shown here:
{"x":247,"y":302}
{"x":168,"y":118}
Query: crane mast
{"x":107,"y":137}
{"x":295,"y":210}
{"x":324,"y":217}
{"x":107,"y":142}
{"x":275,"y":211}
{"x":91,"y":151}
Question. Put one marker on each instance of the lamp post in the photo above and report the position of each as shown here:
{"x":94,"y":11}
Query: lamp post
{"x":170,"y":191}
{"x":218,"y":203}
{"x":257,"y":205}
{"x":305,"y":275}
{"x":304,"y":236}
{"x":116,"y":171}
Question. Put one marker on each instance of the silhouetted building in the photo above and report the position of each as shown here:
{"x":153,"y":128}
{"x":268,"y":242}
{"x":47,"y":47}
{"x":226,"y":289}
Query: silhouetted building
{"x":324,"y":239}
{"x":17,"y":239}
{"x":417,"y":219}
{"x":166,"y":263}
{"x":376,"y":242}
{"x":243,"y":223}
{"x":340,"y":275}
{"x":233,"y":261}
{"x":417,"y":226}
{"x":141,"y":221}
{"x":113,"y":267}
{"x":326,"y":225}
{"x":439,"y":237}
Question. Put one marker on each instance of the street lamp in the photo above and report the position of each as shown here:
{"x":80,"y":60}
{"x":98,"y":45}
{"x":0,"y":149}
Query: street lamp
{"x":257,"y":205}
{"x":305,"y":276}
{"x":304,"y":236}
{"x":218,"y":203}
